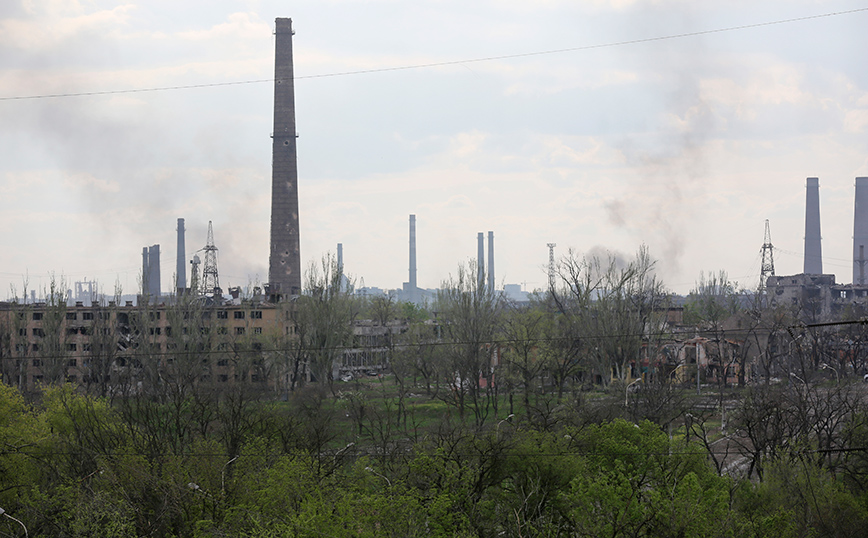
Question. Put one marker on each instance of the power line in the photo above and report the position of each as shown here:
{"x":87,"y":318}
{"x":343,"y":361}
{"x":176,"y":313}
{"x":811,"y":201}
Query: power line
{"x":449,"y":62}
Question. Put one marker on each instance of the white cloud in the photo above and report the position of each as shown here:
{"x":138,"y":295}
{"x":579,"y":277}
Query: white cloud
{"x":238,"y":27}
{"x":686,"y":145}
{"x":856,"y":121}
{"x":88,"y":182}
{"x":54,"y":22}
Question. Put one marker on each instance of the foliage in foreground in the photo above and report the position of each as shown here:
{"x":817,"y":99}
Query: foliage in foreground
{"x":75,"y":466}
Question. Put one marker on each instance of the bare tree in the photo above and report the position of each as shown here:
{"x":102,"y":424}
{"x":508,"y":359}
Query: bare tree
{"x":416,"y":355}
{"x":99,"y":352}
{"x":527,"y":349}
{"x":611,"y":305}
{"x":52,"y":335}
{"x":324,"y":315}
{"x":470,"y":317}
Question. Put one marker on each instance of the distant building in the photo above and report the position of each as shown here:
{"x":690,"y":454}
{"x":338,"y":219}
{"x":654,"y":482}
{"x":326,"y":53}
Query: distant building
{"x":817,"y":298}
{"x":513,"y":293}
{"x":119,"y":345}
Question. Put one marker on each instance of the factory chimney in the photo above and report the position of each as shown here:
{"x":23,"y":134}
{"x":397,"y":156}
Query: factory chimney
{"x":813,"y":246}
{"x":154,"y":271}
{"x":860,"y":232}
{"x":181,"y":266}
{"x":491,"y":262}
{"x":341,"y":257}
{"x":284,"y":265}
{"x":480,"y":257}
{"x":412,"y":283}
{"x":146,"y":272}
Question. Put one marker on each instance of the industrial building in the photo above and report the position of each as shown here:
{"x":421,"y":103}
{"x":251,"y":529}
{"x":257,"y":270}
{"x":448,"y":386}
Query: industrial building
{"x":815,"y":296}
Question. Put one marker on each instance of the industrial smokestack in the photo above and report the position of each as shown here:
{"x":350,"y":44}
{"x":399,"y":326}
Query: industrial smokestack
{"x":284,"y":265}
{"x":413,"y":257}
{"x":491,"y":262}
{"x":480,"y":257}
{"x":154,"y":270}
{"x":146,"y":271}
{"x":181,"y":266}
{"x":341,"y":257}
{"x":860,"y":231}
{"x":813,"y":247}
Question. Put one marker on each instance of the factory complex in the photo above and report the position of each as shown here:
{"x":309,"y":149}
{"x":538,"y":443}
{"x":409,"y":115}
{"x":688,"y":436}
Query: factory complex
{"x":201,"y":334}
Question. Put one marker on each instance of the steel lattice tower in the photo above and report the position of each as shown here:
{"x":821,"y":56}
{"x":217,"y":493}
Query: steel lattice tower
{"x":210,"y":279}
{"x":551,"y":265}
{"x":194,"y":274}
{"x":768,"y":264}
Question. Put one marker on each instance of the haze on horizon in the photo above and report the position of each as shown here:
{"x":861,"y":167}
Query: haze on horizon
{"x":685,"y":145}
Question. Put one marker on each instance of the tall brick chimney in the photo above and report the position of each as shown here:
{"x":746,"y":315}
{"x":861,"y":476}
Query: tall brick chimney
{"x":284,"y":265}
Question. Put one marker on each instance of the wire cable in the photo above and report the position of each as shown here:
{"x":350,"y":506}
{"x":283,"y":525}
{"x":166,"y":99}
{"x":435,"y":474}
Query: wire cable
{"x":448,"y":62}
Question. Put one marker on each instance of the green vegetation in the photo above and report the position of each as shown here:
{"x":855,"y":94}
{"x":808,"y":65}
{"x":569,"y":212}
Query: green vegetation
{"x":73,"y":465}
{"x":578,"y":414}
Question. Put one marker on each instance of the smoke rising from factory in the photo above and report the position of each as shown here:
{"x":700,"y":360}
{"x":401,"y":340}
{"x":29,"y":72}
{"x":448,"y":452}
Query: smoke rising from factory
{"x":616,"y":146}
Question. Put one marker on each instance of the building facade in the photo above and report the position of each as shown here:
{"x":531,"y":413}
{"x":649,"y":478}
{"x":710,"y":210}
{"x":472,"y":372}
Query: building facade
{"x":112,"y":347}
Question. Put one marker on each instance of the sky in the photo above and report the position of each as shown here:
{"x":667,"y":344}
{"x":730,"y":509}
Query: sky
{"x":630,"y":137}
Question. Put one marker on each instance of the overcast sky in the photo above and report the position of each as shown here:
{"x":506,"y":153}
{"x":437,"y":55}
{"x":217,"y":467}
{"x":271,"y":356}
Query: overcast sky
{"x":685,"y":145}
